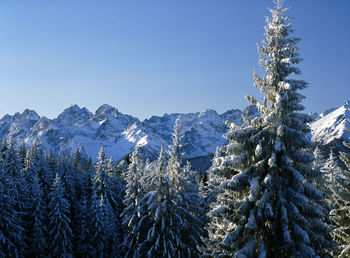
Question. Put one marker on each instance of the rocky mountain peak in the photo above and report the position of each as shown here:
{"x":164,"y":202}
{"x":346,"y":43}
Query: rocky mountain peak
{"x":332,"y":126}
{"x":30,"y":115}
{"x":233,"y":115}
{"x":73,"y":115}
{"x":120,"y":133}
{"x":106,"y":110}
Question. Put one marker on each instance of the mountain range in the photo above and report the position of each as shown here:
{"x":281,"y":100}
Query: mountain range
{"x":120,"y":133}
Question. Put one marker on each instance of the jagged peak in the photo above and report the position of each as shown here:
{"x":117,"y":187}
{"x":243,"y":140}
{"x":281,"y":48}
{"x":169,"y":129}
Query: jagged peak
{"x":233,"y":116}
{"x":27,"y":114}
{"x":165,"y":117}
{"x":208,"y":112}
{"x":332,"y":125}
{"x":106,"y":109}
{"x":230,"y":111}
{"x":74,"y":109}
{"x":74,"y":114}
{"x":30,"y":114}
{"x":121,"y":132}
{"x":6,"y":117}
{"x":42,"y":124}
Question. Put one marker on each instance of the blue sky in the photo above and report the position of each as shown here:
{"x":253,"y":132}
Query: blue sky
{"x":150,"y":57}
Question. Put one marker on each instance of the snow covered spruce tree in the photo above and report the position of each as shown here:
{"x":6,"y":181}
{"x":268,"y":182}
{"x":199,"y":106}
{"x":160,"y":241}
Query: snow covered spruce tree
{"x":84,"y":227}
{"x":11,"y":230}
{"x":38,"y":223}
{"x":319,"y":164}
{"x":22,"y":151}
{"x":171,"y":207}
{"x":104,"y":185}
{"x":70,"y":180}
{"x":99,"y":219}
{"x":15,"y":186}
{"x":60,"y":232}
{"x":13,"y":171}
{"x":130,"y":216}
{"x":341,"y":214}
{"x":267,"y":205}
{"x":32,"y":163}
{"x":160,"y":217}
{"x":189,"y":201}
{"x":116,"y":195}
{"x":330,"y":168}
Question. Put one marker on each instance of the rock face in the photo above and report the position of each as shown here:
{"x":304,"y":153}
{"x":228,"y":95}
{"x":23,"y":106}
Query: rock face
{"x":120,"y":133}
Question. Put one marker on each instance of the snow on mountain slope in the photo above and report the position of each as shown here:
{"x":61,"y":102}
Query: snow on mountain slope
{"x":74,"y":115}
{"x":233,"y":115}
{"x":203,"y":131}
{"x":332,"y":125}
{"x":19,"y":125}
{"x":119,"y":133}
{"x":74,"y":127}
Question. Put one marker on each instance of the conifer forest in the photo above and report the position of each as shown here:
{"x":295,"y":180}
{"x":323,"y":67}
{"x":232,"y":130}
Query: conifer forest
{"x":269,"y":191}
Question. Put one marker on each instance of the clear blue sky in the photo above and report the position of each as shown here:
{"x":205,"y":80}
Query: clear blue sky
{"x":150,"y":57}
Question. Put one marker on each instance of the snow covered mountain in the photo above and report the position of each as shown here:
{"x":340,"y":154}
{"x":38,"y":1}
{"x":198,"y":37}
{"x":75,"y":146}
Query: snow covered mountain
{"x":330,"y":128}
{"x":120,"y":133}
{"x":202,"y":131}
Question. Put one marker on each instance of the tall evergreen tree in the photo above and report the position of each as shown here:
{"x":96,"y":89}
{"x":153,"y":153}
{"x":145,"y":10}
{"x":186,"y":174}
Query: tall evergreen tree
{"x":161,"y":220}
{"x":104,"y":184}
{"x":102,"y":180}
{"x":52,"y":163}
{"x":14,"y":173}
{"x":185,"y":188}
{"x":16,"y":187}
{"x":60,"y":232}
{"x":175,"y":159}
{"x":98,"y":242}
{"x":80,"y":174}
{"x":22,"y":151}
{"x":319,"y":165}
{"x":330,"y":168}
{"x":70,"y":180}
{"x":45,"y":175}
{"x":11,"y":231}
{"x":190,"y":207}
{"x":38,"y":227}
{"x":85,"y":230}
{"x":116,"y":193}
{"x":267,"y":205}
{"x":32,"y":164}
{"x":341,"y":214}
{"x":130,"y":216}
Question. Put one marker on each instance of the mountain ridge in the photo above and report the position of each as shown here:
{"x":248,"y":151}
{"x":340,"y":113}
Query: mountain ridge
{"x":119,"y":133}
